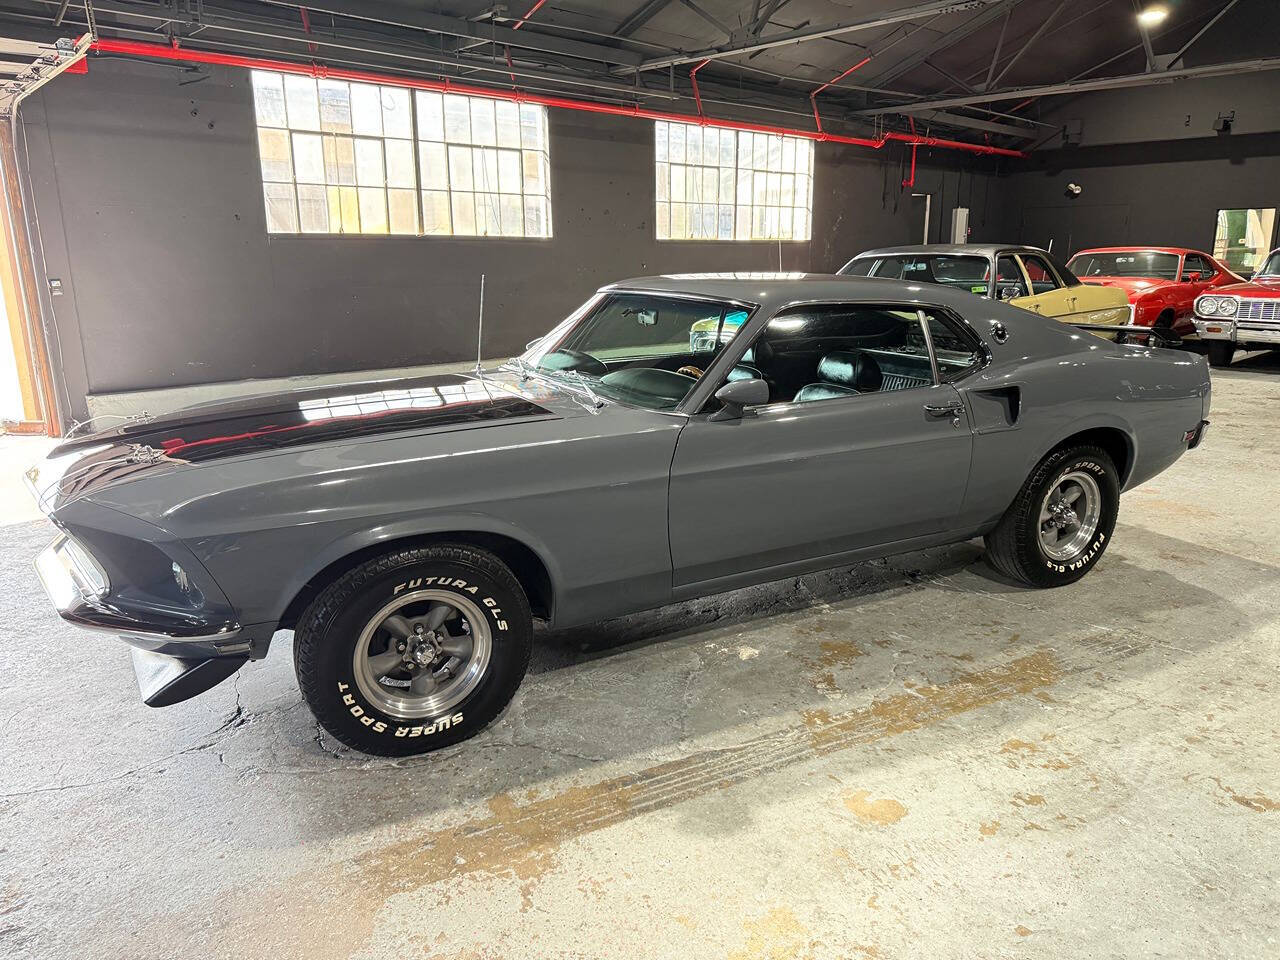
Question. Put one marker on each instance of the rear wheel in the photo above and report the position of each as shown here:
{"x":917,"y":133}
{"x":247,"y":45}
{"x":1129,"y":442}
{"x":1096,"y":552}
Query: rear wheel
{"x":1220,"y":353}
{"x":414,"y":650}
{"x":1061,"y":521}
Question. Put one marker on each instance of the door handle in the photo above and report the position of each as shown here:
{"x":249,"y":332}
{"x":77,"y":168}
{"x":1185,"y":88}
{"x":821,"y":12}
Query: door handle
{"x":952,"y":409}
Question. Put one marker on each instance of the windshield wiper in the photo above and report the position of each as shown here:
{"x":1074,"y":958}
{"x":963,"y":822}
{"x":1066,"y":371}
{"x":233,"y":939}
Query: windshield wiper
{"x":596,"y":402}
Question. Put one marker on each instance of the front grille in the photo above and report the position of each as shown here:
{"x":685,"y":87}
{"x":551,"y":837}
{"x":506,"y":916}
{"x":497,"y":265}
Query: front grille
{"x":1259,"y":310}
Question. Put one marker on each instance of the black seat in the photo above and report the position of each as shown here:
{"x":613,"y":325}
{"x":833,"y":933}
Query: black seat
{"x":842,"y":373}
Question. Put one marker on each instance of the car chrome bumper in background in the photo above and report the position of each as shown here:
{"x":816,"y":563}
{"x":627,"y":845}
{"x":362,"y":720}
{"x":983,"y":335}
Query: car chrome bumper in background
{"x":1215,"y":329}
{"x":174,"y":658}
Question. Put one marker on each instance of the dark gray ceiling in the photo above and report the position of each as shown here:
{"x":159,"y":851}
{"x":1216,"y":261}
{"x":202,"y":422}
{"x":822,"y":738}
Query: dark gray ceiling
{"x":765,"y":57}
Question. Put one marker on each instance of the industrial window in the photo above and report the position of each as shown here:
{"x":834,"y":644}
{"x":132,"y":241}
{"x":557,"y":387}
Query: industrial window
{"x":341,"y":157}
{"x":714,"y":183}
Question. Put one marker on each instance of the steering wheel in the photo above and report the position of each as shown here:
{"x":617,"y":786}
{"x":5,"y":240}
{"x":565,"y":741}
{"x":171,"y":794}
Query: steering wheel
{"x":689,"y":370}
{"x":565,"y":359}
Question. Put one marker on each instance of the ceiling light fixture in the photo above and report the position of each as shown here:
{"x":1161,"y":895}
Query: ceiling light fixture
{"x":1153,"y":15}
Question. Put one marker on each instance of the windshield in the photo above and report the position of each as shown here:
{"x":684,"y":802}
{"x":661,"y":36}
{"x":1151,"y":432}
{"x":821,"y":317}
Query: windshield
{"x":969,"y":273}
{"x":1137,"y":263}
{"x":1270,"y":267}
{"x":647,"y":350}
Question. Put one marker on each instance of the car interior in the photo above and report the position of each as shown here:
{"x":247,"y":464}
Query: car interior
{"x":814,"y":353}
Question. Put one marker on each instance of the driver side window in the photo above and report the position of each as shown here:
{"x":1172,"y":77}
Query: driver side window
{"x":829,"y":352}
{"x":1009,"y":277}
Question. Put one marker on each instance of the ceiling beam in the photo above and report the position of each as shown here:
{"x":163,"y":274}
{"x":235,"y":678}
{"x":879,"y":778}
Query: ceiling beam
{"x":944,"y":41}
{"x":1045,"y":24}
{"x":395,"y":15}
{"x":917,"y":11}
{"x":974,"y":123}
{"x":1078,"y":86}
{"x":639,"y":17}
{"x":1200,"y":33}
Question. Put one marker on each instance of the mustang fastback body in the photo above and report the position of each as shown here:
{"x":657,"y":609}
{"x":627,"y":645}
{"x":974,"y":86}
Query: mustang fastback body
{"x":884,"y":416}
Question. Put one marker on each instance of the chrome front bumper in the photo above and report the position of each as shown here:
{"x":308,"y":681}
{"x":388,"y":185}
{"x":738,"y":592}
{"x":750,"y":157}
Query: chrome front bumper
{"x":1237,"y":331}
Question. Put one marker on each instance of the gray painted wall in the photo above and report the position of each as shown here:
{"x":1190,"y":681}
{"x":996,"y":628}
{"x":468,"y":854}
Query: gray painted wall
{"x":149,"y":200}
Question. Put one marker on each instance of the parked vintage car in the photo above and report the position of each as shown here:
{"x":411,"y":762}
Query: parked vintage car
{"x":1024,"y":277}
{"x":1162,"y":283}
{"x":409,"y":531}
{"x":1244,"y":315}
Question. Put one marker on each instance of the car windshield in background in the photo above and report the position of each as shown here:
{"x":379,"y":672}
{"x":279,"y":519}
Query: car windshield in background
{"x":969,"y":273}
{"x":1270,"y":267}
{"x":1159,"y":266}
{"x":643,"y":349}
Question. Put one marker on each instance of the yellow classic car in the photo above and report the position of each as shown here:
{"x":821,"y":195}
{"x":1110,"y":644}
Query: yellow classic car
{"x":1024,"y":276}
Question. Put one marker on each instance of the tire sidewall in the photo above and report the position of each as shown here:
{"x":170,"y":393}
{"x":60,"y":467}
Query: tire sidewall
{"x":357,"y":721}
{"x":1046,"y":570}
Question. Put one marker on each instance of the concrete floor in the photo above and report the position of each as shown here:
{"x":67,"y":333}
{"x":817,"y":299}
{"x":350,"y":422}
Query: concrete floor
{"x":901,"y":759}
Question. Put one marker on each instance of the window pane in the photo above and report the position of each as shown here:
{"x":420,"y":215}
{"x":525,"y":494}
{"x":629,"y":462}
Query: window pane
{"x":402,"y":210}
{"x":659,"y":141}
{"x":485,"y":169}
{"x":369,"y":169}
{"x":339,"y":160}
{"x":508,"y":116}
{"x":300,"y":99}
{"x":693,"y":144}
{"x":350,"y":210}
{"x":373,"y":210}
{"x":725,"y":231}
{"x":366,"y":110}
{"x":662,"y":182}
{"x":268,"y":99}
{"x":396,"y":121}
{"x":273,"y":151}
{"x":464,"y":213}
{"x":677,"y":183}
{"x":400,"y":163}
{"x":483,"y":130}
{"x":676,"y":143}
{"x":509,"y":177}
{"x":710,"y":184}
{"x":531,"y":137}
{"x":662,"y":226}
{"x":727,"y":141}
{"x":430,"y":116}
{"x":282,"y":210}
{"x":308,"y":158}
{"x":460,"y":177}
{"x":435,"y":212}
{"x":335,"y":106}
{"x":488,"y":222}
{"x":679,"y":221}
{"x":457,"y":119}
{"x":535,"y":217}
{"x":435,"y":175}
{"x":775,"y":153}
{"x":788,"y":154}
{"x":313,"y":208}
{"x":533,"y":181}
{"x":512,"y":212}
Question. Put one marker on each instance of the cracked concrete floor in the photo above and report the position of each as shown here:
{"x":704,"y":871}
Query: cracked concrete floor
{"x":900,"y":759}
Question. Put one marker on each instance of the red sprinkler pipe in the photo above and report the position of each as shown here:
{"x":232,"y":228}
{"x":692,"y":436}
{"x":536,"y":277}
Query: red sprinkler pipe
{"x":156,"y":51}
{"x":813,"y":97}
{"x":536,"y":7}
{"x":693,"y":77}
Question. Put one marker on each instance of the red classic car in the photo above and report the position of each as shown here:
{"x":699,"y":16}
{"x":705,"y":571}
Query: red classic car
{"x":1162,"y":283}
{"x":1244,"y":315}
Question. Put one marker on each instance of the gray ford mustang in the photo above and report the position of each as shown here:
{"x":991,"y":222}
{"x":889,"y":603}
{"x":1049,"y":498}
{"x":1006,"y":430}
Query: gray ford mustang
{"x":674,"y":437}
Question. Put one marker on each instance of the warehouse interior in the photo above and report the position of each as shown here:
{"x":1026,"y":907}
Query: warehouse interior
{"x":899,"y":757}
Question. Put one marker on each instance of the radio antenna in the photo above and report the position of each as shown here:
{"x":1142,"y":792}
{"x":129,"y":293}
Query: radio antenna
{"x":480,"y":331}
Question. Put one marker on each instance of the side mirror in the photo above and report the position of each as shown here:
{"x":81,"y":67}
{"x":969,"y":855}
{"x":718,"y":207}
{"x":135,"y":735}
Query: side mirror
{"x":737,"y":395}
{"x":532,"y":343}
{"x":1192,"y":277}
{"x":1010,"y":291}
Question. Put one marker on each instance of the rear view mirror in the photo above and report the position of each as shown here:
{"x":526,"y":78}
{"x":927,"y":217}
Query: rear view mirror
{"x":737,"y":395}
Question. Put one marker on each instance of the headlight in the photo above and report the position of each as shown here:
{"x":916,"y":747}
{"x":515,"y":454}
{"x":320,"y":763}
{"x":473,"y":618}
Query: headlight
{"x":1206,"y":306}
{"x":1227,"y":306}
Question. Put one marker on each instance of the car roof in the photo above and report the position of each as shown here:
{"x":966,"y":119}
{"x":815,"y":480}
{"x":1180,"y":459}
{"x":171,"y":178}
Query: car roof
{"x":953,"y":249}
{"x":1138,"y":248}
{"x":774,"y":290}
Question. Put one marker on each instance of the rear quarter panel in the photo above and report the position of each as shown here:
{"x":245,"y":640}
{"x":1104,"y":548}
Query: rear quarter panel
{"x":1068,"y":382}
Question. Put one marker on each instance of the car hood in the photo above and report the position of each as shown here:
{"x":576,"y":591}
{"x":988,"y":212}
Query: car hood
{"x":1133,"y":287}
{"x":273,"y":422}
{"x":1264,"y":288}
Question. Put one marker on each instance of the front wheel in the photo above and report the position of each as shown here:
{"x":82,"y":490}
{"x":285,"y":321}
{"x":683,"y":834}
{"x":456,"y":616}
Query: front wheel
{"x":1220,"y":353}
{"x":1061,"y":521}
{"x":414,"y":650}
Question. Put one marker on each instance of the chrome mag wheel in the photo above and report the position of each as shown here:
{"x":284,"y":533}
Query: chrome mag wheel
{"x":1069,"y":516}
{"x":422,"y":654}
